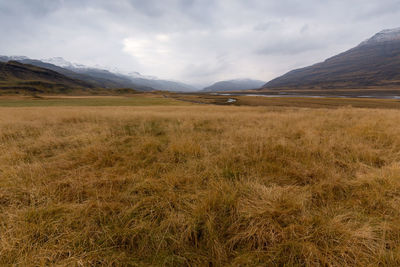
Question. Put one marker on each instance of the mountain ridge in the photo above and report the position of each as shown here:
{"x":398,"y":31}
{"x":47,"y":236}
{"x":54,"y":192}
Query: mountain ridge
{"x":16,"y":77}
{"x":373,"y":63}
{"x":101,"y":81}
{"x":135,"y":78}
{"x":104,"y":78}
{"x":234,"y":85}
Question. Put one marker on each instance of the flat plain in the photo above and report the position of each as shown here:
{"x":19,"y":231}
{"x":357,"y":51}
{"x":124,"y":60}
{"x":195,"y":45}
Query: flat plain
{"x":158,"y":181}
{"x":90,"y":101}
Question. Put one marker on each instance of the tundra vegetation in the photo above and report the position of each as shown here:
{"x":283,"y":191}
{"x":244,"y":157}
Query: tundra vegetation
{"x":199,"y":185}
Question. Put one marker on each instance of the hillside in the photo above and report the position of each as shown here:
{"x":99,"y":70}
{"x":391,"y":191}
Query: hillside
{"x":101,"y":78}
{"x":374,"y":63}
{"x":234,"y":85}
{"x":107,"y":79}
{"x":114,"y":79}
{"x":96,"y":77}
{"x":164,"y":85}
{"x":117,"y":79}
{"x":17,"y":77}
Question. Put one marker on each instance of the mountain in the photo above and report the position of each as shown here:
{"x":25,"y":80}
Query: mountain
{"x":375,"y":63}
{"x":12,"y":58}
{"x":117,"y":79}
{"x":234,"y":85}
{"x":164,"y":85}
{"x":17,"y":77}
{"x":103,"y":78}
{"x":107,"y":79}
{"x":96,"y":77}
{"x":61,"y":62}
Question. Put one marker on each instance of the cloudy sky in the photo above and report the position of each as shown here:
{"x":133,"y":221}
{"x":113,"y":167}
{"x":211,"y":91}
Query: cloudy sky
{"x":195,"y":41}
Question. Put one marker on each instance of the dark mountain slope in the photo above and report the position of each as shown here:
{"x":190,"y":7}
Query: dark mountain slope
{"x":107,"y":79}
{"x":374,"y":63}
{"x":96,"y":77}
{"x":134,"y":79}
{"x":23,"y":77}
{"x":103,"y":78}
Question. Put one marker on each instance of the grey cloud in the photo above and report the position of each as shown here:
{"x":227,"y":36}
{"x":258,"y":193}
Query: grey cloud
{"x":152,"y":8}
{"x":35,"y":8}
{"x":266,"y":26}
{"x":192,"y":40}
{"x":378,"y":9}
{"x":291,"y":47}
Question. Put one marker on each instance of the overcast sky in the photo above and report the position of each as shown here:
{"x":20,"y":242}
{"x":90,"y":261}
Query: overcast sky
{"x":195,"y":41}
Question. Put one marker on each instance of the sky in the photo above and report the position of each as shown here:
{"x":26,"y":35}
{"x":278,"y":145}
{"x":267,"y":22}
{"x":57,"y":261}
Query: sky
{"x":193,"y":41}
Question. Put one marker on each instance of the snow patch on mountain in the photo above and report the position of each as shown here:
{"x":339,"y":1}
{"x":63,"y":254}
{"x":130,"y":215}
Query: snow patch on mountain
{"x":15,"y":58}
{"x":383,"y":36}
{"x":61,"y":62}
{"x":135,"y":75}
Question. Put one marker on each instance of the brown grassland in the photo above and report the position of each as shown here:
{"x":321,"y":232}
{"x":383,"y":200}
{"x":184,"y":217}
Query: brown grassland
{"x":325,"y":102}
{"x":199,"y":185}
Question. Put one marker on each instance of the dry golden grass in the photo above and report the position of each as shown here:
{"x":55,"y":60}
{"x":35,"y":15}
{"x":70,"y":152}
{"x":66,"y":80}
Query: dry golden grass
{"x":199,"y":185}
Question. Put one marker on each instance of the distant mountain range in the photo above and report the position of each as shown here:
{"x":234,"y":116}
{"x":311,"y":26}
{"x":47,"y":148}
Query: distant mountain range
{"x":234,"y":85}
{"x":372,"y":64}
{"x":103,"y":78}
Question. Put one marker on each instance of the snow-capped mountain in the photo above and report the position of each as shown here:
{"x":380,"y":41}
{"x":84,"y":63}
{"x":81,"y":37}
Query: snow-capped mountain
{"x":132,"y":77}
{"x":61,"y":62}
{"x":101,"y":77}
{"x":374,"y":63}
{"x":136,"y":75}
{"x":15,"y":58}
{"x":383,"y":36}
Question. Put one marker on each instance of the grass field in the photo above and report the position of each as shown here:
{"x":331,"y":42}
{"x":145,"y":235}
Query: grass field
{"x":318,"y":102}
{"x":199,"y":185}
{"x":305,"y":102}
{"x":50,"y":101}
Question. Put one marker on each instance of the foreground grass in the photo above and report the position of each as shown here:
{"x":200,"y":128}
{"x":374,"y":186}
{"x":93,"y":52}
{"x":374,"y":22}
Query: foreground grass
{"x":200,"y":185}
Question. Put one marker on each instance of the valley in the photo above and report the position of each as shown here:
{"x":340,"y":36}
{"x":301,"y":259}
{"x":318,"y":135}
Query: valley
{"x":212,"y":157}
{"x":179,"y":99}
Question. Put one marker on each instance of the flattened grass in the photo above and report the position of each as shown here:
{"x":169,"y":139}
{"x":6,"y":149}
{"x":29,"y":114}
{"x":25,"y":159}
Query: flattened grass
{"x":199,"y":185}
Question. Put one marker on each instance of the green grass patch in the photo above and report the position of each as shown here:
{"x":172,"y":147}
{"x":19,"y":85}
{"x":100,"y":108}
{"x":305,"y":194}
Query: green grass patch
{"x":85,"y":101}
